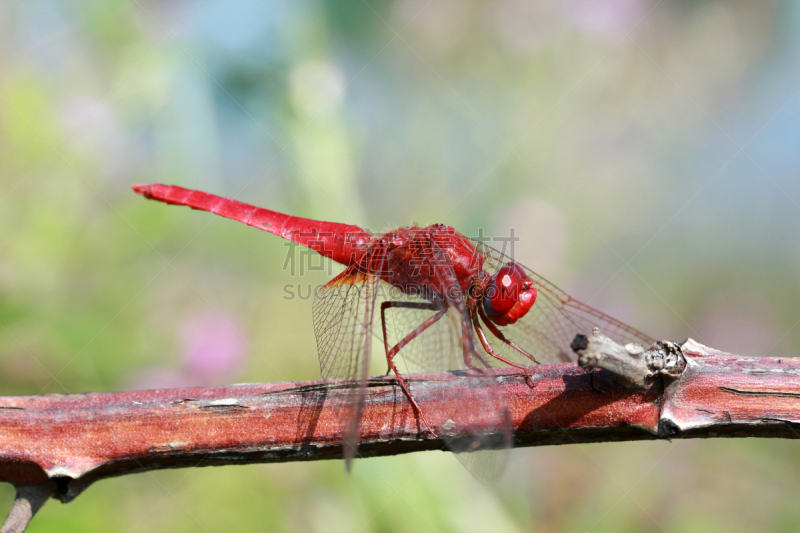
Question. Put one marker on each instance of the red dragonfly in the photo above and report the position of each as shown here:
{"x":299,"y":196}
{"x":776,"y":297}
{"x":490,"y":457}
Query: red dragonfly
{"x":447,"y":302}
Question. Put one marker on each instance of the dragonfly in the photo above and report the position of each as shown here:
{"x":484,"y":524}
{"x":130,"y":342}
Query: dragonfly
{"x":447,"y":303}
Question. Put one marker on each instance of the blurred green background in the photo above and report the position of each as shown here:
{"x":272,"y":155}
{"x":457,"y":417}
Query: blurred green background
{"x":647,"y":154}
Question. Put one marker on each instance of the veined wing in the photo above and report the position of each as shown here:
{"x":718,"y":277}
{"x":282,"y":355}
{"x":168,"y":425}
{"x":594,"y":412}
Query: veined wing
{"x":475,"y":420}
{"x":547,"y":330}
{"x":342,"y":313}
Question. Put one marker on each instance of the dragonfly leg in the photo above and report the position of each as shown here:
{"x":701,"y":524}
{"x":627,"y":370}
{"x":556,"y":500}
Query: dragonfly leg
{"x":390,"y":354}
{"x":488,"y":347}
{"x":468,"y":353}
{"x":499,"y":334}
{"x":468,"y":361}
{"x":407,"y":305}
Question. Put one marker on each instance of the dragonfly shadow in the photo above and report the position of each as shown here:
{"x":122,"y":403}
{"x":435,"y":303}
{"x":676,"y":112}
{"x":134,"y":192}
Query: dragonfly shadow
{"x":312,"y":400}
{"x":398,"y":401}
{"x":582,"y":395}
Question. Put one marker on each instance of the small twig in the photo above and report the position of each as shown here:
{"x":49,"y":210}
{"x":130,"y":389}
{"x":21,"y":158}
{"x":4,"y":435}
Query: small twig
{"x":632,"y":366}
{"x":29,"y":499}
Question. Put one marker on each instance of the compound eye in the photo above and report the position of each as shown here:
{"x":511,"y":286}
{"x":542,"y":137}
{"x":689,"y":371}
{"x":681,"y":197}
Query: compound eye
{"x":503,"y":290}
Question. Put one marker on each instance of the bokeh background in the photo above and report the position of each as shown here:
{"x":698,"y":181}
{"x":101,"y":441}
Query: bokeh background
{"x":647,"y":153}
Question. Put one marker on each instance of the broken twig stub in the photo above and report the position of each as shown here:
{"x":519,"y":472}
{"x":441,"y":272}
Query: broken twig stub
{"x":631,"y":365}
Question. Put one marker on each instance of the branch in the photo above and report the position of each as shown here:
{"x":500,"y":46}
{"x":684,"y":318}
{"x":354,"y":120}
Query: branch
{"x":60,"y":444}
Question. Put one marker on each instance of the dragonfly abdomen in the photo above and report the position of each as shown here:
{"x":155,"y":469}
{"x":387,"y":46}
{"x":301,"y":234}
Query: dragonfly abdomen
{"x":344,"y":243}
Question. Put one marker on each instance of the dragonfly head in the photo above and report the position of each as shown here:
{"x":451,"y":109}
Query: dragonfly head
{"x":509,"y":295}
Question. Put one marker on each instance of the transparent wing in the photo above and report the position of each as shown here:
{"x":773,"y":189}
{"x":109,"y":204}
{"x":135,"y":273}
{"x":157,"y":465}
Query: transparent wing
{"x":474,"y":418}
{"x":343,"y":312}
{"x":547,"y":330}
{"x":437,"y":349}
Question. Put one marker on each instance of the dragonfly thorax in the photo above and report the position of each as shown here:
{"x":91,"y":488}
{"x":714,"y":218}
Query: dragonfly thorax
{"x":424,"y":261}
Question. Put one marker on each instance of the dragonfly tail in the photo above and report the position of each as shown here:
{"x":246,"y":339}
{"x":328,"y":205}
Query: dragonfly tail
{"x":340,"y":242}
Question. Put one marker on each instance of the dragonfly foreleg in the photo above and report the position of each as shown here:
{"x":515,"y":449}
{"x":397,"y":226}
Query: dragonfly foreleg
{"x":499,"y":334}
{"x":390,"y":354}
{"x":488,"y":347}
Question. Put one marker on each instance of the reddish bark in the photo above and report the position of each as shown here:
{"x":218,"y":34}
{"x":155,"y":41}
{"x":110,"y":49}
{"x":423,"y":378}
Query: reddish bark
{"x":60,"y":444}
{"x":81,"y":438}
{"x":730,"y":395}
